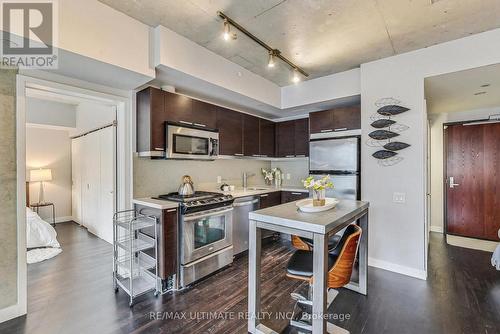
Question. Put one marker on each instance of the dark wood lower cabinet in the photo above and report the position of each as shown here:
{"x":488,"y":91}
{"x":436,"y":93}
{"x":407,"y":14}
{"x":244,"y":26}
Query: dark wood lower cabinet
{"x":270,"y":199}
{"x":167,"y":240}
{"x":290,"y":196}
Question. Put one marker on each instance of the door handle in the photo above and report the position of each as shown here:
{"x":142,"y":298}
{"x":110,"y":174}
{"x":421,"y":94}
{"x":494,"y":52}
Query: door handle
{"x":452,"y":183}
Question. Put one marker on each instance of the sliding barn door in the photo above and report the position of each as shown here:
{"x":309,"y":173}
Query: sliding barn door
{"x":107,"y":183}
{"x":76,"y":180}
{"x":473,"y":180}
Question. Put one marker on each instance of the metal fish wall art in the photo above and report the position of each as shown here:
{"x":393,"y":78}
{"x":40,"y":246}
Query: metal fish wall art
{"x":396,"y":146}
{"x":392,"y":110}
{"x":383,"y":154}
{"x":382,"y":134}
{"x":382,"y":123}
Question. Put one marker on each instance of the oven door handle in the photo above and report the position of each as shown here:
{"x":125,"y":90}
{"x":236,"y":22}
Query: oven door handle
{"x":208,"y":214}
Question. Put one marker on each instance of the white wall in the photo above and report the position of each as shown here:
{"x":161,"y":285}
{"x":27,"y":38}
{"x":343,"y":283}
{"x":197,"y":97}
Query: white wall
{"x":95,"y":30}
{"x":330,"y":87}
{"x":50,"y":148}
{"x":397,"y":231}
{"x":90,"y":116}
{"x":53,"y":113}
{"x":437,"y":157}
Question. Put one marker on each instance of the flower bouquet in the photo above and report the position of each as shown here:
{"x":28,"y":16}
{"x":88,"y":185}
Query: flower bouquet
{"x":318,"y":187}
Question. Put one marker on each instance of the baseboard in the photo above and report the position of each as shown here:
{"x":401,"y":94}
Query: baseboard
{"x":477,"y":244}
{"x":437,"y":229}
{"x":63,"y":219}
{"x":11,"y":312}
{"x":396,"y":268}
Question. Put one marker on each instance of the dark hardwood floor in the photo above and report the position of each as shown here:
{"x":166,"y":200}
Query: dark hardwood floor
{"x":72,"y":293}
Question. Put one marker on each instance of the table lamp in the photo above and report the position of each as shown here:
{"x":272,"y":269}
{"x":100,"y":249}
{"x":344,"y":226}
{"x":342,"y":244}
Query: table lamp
{"x":41,"y":175}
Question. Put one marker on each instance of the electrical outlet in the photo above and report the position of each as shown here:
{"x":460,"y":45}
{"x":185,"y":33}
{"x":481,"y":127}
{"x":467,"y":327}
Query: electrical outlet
{"x":399,"y":198}
{"x":288,"y":176}
{"x":219,"y":179}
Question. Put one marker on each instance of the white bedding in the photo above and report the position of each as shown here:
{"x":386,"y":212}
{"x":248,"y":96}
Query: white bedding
{"x":39,"y":233}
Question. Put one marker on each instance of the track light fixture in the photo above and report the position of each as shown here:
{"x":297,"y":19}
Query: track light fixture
{"x":295,"y":76}
{"x":227,"y":31}
{"x":273,"y":53}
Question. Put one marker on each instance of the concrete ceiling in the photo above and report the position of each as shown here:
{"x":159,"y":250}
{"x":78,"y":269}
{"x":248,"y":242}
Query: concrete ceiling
{"x":478,"y":88}
{"x":322,"y":36}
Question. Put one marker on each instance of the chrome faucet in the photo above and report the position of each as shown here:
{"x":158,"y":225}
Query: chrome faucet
{"x":245,"y":179}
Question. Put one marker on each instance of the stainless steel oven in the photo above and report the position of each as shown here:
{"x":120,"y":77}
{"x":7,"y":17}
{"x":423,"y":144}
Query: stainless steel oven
{"x":206,"y":243}
{"x":183,"y":142}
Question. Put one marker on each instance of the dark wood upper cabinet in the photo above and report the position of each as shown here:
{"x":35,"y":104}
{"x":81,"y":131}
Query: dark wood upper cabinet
{"x":337,"y":119}
{"x":251,"y":135}
{"x":347,"y":118}
{"x":185,"y":110}
{"x":204,"y":114}
{"x":302,"y":137}
{"x":285,"y":135}
{"x":230,"y":125}
{"x":150,"y":122}
{"x":321,"y":121}
{"x":178,"y":108}
{"x":267,"y":138}
{"x":293,"y":138}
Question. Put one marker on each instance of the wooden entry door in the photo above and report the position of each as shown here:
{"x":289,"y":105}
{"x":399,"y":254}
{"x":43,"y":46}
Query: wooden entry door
{"x":473,"y":180}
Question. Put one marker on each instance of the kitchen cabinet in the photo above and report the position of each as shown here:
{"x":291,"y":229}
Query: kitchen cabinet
{"x":302,"y":137}
{"x":168,"y":238}
{"x":184,"y":110}
{"x":334,"y":120}
{"x":290,"y":196}
{"x":150,"y":121}
{"x":251,"y":137}
{"x":285,"y":134}
{"x":293,"y":138}
{"x":169,"y":235}
{"x":270,"y":199}
{"x":230,"y":125}
{"x":267,"y":138}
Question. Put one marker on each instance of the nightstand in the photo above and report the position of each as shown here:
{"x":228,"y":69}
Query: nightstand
{"x":37,"y":206}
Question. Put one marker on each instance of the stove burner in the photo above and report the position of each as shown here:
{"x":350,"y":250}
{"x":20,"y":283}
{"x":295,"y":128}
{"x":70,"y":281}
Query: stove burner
{"x":197,"y":196}
{"x":199,"y":201}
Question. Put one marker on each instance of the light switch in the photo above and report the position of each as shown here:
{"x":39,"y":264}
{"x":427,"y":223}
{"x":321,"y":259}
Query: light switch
{"x":219,"y":179}
{"x":399,"y":197}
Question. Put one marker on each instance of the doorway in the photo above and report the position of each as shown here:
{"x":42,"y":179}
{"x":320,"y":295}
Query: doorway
{"x":472,"y":183}
{"x":464,"y":115}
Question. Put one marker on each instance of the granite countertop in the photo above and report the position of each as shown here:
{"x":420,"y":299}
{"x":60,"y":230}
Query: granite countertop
{"x":259,"y":190}
{"x":156,"y":203}
{"x":288,"y":215}
{"x":237,"y":193}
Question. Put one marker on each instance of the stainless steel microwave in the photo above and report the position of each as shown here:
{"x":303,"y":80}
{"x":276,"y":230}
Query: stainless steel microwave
{"x":190,"y":143}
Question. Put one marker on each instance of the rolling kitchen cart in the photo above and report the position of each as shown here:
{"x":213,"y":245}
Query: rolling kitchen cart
{"x":134,"y":270}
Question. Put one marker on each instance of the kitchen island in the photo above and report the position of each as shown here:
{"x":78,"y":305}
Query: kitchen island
{"x":286,"y":218}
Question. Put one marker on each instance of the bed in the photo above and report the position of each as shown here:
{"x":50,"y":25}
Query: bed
{"x":39,"y":233}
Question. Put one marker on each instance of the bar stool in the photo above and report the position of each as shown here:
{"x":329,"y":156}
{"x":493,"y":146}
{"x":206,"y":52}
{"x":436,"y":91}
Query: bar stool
{"x":307,"y":244}
{"x":341,"y":260}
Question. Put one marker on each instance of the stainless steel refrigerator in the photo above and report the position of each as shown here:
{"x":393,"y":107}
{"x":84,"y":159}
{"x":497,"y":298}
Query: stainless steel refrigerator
{"x":339,"y":158}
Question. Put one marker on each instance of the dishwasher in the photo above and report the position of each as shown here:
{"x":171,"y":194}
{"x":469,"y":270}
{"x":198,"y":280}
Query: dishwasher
{"x":242,"y":206}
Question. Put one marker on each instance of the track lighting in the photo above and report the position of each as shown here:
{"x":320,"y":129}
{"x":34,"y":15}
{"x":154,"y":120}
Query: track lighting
{"x":227,"y":35}
{"x":273,"y":53}
{"x":296,"y":76}
{"x":271,"y":63}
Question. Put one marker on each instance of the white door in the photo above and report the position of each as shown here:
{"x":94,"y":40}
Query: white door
{"x":76,"y":180}
{"x":90,"y":181}
{"x":107,"y":184}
